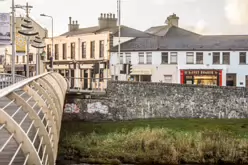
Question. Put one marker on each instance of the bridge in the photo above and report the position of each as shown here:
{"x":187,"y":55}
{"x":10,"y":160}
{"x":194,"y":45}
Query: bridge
{"x":30,"y":118}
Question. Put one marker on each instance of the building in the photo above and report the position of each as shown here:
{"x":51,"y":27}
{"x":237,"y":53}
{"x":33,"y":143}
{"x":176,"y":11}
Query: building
{"x":176,"y":55}
{"x":21,"y":47}
{"x":82,"y":54}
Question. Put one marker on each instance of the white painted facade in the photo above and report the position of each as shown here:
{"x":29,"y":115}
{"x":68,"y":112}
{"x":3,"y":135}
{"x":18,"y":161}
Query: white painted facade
{"x":171,"y":72}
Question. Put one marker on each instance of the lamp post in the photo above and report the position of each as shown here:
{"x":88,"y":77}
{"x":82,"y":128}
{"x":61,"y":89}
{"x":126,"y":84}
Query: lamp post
{"x":38,"y":43}
{"x":44,"y":15}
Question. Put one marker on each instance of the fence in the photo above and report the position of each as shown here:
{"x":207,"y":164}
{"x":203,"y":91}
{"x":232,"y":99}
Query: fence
{"x":6,"y":79}
{"x":30,"y":120}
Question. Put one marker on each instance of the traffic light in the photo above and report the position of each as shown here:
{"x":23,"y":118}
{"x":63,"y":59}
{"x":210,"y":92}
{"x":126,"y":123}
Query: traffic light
{"x":130,"y":67}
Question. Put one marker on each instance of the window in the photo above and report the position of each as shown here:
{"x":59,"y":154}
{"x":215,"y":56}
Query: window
{"x":128,"y":58}
{"x":168,"y":78}
{"x":83,"y":49}
{"x":226,"y":58}
{"x":56,"y":51}
{"x":173,"y":57}
{"x":189,"y":58}
{"x":216,"y":58}
{"x":23,"y":59}
{"x":149,"y":58}
{"x":64,"y":51}
{"x":242,"y":58}
{"x":17,"y":59}
{"x":165,"y":58}
{"x":101,"y":75}
{"x":92,"y":49}
{"x":121,"y":58}
{"x":141,"y":58}
{"x":73,"y":50}
{"x":199,"y":58}
{"x":31,"y":57}
{"x":101,"y":48}
{"x":49,"y":51}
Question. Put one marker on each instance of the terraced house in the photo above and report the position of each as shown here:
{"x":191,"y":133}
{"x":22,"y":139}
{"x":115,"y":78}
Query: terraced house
{"x":82,"y":54}
{"x":176,"y":55}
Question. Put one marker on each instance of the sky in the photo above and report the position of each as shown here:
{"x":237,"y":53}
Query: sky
{"x":201,"y":16}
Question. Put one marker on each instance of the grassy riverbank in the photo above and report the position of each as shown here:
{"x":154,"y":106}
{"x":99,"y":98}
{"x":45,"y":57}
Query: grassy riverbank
{"x":156,"y":141}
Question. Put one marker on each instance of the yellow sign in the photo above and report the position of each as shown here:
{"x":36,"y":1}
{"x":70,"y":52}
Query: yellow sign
{"x":20,"y":43}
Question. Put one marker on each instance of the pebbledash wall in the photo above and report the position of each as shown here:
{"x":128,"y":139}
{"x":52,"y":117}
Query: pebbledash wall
{"x":135,"y":100}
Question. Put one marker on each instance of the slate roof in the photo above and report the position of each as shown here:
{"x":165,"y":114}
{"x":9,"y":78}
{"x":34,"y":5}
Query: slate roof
{"x":166,"y":30}
{"x":178,"y":40}
{"x":125,"y":31}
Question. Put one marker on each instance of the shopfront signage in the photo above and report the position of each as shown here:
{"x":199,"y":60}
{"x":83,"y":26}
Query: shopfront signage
{"x":201,"y":72}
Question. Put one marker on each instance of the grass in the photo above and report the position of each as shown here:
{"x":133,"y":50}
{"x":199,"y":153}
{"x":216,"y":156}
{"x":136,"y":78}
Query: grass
{"x":157,"y":141}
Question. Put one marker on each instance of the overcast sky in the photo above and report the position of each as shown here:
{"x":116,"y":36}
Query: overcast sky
{"x":203,"y":16}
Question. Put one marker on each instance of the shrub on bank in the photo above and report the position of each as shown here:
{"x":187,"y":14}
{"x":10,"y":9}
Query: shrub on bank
{"x":157,"y":145}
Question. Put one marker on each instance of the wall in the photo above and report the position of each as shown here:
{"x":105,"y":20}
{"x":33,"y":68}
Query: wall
{"x":133,"y":100}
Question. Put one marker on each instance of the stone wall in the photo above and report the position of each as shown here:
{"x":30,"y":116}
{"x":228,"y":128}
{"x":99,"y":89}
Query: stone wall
{"x":133,"y":100}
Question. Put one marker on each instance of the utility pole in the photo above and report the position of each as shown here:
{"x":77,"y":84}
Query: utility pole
{"x":119,"y":34}
{"x":28,"y":40}
{"x":13,"y":42}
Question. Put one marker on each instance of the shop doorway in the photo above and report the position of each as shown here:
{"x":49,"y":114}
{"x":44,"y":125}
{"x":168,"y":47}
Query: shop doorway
{"x":85,"y":79}
{"x":231,"y":79}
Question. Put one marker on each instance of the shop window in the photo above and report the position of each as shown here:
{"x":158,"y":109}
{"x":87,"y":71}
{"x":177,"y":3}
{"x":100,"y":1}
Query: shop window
{"x":199,"y":58}
{"x":246,"y":81}
{"x":168,"y":78}
{"x":128,"y":58}
{"x":121,"y":58}
{"x":226,"y":58}
{"x":231,"y":79}
{"x":173,"y":57}
{"x":141,"y":58}
{"x":242,"y":58}
{"x":216,"y":58}
{"x":146,"y":78}
{"x":149,"y":58}
{"x":190,"y":58}
{"x":165,"y":58}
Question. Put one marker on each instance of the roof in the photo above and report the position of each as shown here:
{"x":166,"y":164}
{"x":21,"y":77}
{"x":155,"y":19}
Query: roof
{"x":166,"y":30}
{"x":175,"y":41}
{"x":125,"y":31}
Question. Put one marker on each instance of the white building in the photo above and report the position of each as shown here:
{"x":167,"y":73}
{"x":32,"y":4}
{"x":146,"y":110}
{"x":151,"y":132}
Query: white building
{"x":180,"y":56}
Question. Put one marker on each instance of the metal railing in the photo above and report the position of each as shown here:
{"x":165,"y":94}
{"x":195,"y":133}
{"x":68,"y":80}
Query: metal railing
{"x":93,"y":84}
{"x":30,"y":120}
{"x":6,"y":79}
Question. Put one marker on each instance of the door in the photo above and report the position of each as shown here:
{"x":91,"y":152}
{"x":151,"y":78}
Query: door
{"x":72,"y":78}
{"x":85,"y":79}
{"x":231,"y":79}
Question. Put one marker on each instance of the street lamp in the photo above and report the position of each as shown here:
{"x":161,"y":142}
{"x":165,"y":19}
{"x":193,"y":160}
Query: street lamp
{"x":44,"y":15}
{"x":38,"y":44}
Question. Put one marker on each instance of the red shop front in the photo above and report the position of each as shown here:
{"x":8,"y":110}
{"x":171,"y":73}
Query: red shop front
{"x":201,"y":77}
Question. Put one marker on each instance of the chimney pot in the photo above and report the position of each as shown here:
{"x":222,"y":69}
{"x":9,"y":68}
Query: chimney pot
{"x":70,"y":20}
{"x":110,"y":15}
{"x":73,"y":22}
{"x":101,"y":15}
{"x":107,"y":15}
{"x":113,"y":15}
{"x":76,"y":22}
{"x":104,"y":15}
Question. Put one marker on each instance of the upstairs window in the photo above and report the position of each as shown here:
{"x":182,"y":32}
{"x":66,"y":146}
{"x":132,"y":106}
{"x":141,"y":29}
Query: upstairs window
{"x":189,"y":58}
{"x":242,"y":58}
{"x":199,"y":58}
{"x":173,"y":57}
{"x":226,"y":58}
{"x":165,"y":58}
{"x":149,"y":58}
{"x":216,"y":58}
{"x":141,"y":58}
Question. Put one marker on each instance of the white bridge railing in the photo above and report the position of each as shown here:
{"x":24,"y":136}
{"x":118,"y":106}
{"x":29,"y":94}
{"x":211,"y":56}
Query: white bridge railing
{"x":6,"y":79}
{"x":30,"y":120}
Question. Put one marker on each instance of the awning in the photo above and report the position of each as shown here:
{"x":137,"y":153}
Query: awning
{"x":141,"y":72}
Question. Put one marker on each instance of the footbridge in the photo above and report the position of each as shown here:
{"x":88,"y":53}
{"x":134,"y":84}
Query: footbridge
{"x":30,"y":119}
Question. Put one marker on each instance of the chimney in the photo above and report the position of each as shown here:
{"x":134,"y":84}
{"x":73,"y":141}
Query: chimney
{"x":70,"y":25}
{"x":69,"y":20}
{"x":73,"y":25}
{"x":107,"y":20}
{"x":172,"y":20}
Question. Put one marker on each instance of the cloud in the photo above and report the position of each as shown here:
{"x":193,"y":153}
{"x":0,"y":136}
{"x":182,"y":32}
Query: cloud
{"x":237,"y":11}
